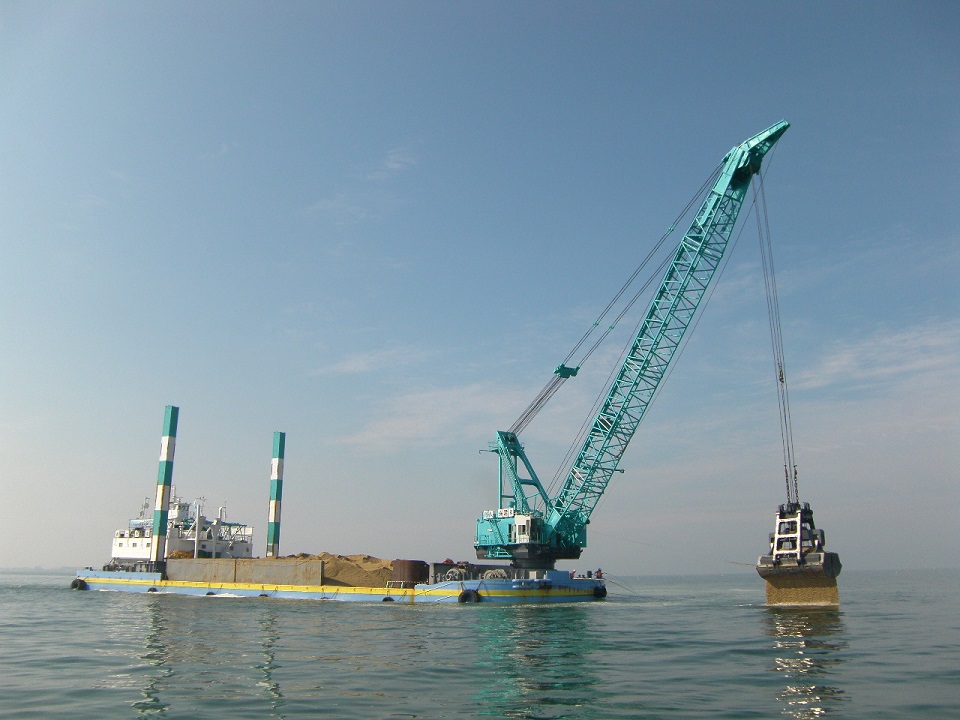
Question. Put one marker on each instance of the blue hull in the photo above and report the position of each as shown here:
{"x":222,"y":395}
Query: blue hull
{"x":558,"y":587}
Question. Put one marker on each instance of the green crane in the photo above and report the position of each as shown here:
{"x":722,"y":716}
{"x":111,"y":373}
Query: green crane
{"x":530,"y":527}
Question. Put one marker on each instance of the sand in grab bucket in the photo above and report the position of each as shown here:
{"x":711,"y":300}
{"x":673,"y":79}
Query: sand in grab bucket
{"x":803,"y":590}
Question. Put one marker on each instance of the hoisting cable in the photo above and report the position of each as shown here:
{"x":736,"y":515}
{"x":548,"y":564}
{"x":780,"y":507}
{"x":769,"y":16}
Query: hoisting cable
{"x":561,"y":471}
{"x":776,"y":341}
{"x":578,"y":442}
{"x":564,"y":370}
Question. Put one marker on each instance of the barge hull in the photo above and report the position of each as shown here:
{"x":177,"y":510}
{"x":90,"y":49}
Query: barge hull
{"x":559,"y":589}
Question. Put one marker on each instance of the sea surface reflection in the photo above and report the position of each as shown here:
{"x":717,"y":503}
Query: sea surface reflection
{"x":809,"y":645}
{"x":155,"y":656}
{"x":540,"y":659}
{"x":269,"y":636}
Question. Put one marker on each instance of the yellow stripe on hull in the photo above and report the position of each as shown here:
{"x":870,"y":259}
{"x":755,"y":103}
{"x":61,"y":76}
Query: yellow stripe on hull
{"x":449,"y":592}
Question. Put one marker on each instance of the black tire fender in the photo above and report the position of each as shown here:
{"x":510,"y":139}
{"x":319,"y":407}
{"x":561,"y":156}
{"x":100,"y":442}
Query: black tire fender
{"x":470,"y":596}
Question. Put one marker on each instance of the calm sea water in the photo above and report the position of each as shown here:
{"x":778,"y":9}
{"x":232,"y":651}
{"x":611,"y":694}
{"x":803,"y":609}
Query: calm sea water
{"x":696,"y":647}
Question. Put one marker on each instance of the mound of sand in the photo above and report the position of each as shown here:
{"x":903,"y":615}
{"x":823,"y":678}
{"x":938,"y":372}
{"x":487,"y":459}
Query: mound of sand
{"x":354,"y":570}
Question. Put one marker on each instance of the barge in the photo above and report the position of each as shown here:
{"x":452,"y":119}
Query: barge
{"x":179,"y":551}
{"x":530,"y":526}
{"x":305,"y":579}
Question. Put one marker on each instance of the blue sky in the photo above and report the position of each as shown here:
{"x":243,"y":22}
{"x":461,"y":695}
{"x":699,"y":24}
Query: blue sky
{"x":378,"y":227}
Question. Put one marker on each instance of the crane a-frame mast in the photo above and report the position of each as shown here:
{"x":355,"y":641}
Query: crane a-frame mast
{"x":555,"y":528}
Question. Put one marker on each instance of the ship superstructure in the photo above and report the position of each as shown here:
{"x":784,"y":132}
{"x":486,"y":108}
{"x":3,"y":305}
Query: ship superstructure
{"x":189,"y":535}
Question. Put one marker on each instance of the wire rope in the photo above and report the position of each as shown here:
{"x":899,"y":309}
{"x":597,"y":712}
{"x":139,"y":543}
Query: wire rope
{"x":557,"y":380}
{"x":695,"y":321}
{"x":776,"y":342}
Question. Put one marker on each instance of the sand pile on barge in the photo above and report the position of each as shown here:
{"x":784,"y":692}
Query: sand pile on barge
{"x":302,"y":569}
{"x":354,"y":570}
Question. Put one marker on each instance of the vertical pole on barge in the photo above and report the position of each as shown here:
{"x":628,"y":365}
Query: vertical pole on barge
{"x":168,"y":445}
{"x":276,"y":492}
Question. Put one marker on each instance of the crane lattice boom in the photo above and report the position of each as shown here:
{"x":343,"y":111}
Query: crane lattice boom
{"x":538,"y":538}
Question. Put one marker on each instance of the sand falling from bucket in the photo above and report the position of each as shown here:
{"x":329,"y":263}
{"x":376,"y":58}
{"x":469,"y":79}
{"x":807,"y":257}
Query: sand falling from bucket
{"x":803,"y":590}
